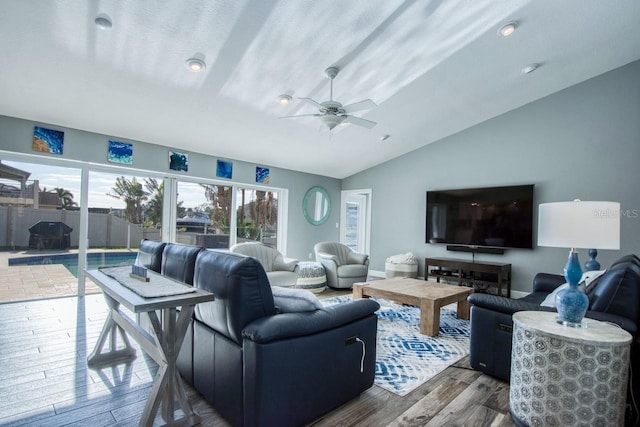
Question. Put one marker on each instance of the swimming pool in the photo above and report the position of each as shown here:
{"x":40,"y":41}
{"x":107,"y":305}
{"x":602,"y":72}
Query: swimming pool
{"x":70,"y":261}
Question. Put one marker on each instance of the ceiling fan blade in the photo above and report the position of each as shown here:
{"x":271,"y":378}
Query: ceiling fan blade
{"x":358,"y":121}
{"x":367,"y":104}
{"x":300,"y":115}
{"x":312,"y":102}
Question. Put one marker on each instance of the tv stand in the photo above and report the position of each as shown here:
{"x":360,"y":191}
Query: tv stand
{"x":477,"y":274}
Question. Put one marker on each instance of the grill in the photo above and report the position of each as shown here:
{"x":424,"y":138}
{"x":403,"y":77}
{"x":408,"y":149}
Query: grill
{"x":50,"y":235}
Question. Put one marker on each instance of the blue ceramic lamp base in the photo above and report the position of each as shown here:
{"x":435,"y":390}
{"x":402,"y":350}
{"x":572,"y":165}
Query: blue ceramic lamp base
{"x":572,"y":302}
{"x":592,"y":264}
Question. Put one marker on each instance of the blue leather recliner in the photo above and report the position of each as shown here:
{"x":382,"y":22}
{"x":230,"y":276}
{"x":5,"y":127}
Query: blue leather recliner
{"x":261,"y":367}
{"x":615,"y":298}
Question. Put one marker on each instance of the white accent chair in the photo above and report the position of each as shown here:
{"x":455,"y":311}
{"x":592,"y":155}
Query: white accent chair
{"x":343,"y":266}
{"x":281,"y":271}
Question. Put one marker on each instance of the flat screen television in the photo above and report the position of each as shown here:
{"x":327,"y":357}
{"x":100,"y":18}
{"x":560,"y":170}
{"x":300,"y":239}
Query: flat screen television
{"x":498,"y":217}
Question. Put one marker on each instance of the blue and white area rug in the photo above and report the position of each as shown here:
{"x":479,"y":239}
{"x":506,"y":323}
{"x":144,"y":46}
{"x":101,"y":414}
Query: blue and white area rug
{"x":406,"y":358}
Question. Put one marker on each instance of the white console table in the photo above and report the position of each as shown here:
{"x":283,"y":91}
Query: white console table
{"x":163,"y":344}
{"x":564,"y":376}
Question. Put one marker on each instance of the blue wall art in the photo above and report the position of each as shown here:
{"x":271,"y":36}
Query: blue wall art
{"x":262,"y":175}
{"x":224,"y":169}
{"x":178,"y":161}
{"x":48,"y":140}
{"x":120,"y":152}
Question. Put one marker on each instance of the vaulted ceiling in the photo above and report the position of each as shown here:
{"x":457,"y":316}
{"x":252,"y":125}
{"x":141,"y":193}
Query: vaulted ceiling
{"x":433,"y":68}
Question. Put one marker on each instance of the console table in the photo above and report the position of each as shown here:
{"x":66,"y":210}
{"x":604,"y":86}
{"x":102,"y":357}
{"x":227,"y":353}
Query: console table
{"x":563,"y":376}
{"x":163,"y":344}
{"x":483,"y":274}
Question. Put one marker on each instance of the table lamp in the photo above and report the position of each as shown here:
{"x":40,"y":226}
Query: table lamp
{"x":575,"y":225}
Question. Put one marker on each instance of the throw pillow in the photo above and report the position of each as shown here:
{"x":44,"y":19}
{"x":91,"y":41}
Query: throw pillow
{"x":587,"y":282}
{"x":550,"y":300}
{"x":289,"y":300}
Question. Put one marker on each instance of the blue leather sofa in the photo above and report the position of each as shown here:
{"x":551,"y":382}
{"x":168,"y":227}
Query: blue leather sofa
{"x":259,"y":366}
{"x":615,"y":297}
{"x":150,"y":254}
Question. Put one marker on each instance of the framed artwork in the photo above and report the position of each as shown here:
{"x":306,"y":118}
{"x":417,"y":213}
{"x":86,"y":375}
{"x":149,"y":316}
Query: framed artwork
{"x":120,"y":152}
{"x":48,"y":140}
{"x":224,"y":169}
{"x":262,"y":175}
{"x":178,"y":161}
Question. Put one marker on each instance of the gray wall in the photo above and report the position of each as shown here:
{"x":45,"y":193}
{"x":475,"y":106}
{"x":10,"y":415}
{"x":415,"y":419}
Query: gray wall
{"x":582,"y":142}
{"x":81,"y":147}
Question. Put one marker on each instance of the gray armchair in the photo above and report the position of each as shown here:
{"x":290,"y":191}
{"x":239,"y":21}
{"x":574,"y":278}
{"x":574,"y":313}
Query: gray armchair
{"x":281,"y":271}
{"x":343,"y":266}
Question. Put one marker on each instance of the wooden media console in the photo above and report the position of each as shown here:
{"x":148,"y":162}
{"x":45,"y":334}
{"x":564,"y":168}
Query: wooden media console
{"x":480,"y":275}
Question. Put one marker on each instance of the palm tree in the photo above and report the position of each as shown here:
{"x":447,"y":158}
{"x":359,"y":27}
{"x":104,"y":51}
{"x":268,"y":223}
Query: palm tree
{"x":154,"y":207}
{"x":133,"y":196}
{"x":219,"y":198}
{"x":66,"y":197}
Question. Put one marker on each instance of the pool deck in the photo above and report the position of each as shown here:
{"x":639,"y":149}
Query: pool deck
{"x":31,"y":282}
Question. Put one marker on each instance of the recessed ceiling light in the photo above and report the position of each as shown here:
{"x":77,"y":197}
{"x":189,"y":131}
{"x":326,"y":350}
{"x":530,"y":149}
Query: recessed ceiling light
{"x":103,"y":21}
{"x":284,"y":99}
{"x":530,"y":68}
{"x":196,"y":63}
{"x":507,"y":29}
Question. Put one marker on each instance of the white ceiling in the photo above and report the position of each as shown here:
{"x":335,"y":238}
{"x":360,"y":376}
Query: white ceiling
{"x":433,"y":67}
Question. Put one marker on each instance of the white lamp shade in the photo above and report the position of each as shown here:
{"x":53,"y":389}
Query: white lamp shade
{"x":579,"y":224}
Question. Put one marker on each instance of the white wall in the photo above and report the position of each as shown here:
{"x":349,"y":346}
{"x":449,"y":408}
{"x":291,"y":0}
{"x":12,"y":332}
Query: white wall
{"x":582,"y":142}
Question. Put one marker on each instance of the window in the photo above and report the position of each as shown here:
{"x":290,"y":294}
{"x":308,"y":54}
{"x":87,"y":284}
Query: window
{"x":39,"y":210}
{"x":123,"y":210}
{"x":257,"y":216}
{"x":203,"y":214}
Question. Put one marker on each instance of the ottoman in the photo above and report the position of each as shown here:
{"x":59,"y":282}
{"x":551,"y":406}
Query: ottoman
{"x":403,"y":265}
{"x":311,"y":276}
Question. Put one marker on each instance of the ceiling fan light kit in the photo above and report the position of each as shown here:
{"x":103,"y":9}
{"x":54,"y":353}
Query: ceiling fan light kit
{"x":331,"y":121}
{"x":332,"y":113}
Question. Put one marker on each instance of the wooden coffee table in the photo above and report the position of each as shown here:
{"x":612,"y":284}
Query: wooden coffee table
{"x":429,"y":296}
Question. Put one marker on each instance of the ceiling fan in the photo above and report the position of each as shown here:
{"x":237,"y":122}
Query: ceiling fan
{"x":332,"y":113}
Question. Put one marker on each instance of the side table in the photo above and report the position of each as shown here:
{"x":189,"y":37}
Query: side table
{"x":162,"y":344}
{"x":563,"y":376}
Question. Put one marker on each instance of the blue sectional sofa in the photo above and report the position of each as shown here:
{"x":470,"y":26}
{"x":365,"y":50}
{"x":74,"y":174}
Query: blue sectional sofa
{"x":256,"y":362}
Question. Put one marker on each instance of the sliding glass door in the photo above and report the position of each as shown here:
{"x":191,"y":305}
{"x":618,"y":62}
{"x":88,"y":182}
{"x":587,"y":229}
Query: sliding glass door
{"x":203,"y":214}
{"x":40,"y":217}
{"x":97,"y":215}
{"x":257,"y":216}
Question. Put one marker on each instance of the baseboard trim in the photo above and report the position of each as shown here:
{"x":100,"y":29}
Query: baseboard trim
{"x":376,"y":273}
{"x":383,"y":274}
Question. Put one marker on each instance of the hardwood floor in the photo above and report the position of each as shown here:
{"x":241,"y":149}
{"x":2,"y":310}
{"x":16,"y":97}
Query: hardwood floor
{"x":44,"y":380}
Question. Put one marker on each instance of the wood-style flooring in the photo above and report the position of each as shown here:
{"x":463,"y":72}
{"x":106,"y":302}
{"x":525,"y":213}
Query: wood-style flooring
{"x":44,"y":380}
